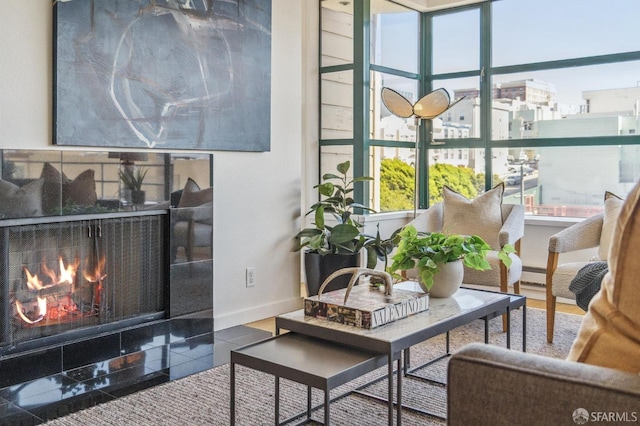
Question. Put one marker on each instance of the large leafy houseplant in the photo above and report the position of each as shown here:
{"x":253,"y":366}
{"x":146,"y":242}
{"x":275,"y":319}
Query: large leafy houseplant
{"x":427,"y":251}
{"x":343,"y":236}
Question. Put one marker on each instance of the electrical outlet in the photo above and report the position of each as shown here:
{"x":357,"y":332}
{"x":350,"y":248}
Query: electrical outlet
{"x":251,"y":277}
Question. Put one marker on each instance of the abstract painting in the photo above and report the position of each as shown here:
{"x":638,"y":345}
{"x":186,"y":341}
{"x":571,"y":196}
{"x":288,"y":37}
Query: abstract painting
{"x":165,"y":74}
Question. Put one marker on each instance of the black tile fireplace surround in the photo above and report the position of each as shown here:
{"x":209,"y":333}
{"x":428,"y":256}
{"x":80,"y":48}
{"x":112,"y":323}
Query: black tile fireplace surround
{"x":49,"y":373}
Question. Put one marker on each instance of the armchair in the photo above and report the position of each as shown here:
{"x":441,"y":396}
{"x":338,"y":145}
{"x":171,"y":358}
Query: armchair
{"x":194,"y":228}
{"x":192,"y":221}
{"x":580,"y":236}
{"x":592,"y":232}
{"x":511,"y":232}
{"x":598,"y":381}
{"x":491,"y":385}
{"x":498,"y":224}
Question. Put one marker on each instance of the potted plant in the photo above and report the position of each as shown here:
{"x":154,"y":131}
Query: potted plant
{"x":436,"y":253}
{"x":332,"y":245}
{"x":132,"y":179}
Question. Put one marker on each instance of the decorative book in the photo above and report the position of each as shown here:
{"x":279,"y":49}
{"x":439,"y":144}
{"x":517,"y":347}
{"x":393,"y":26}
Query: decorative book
{"x":367,"y":306}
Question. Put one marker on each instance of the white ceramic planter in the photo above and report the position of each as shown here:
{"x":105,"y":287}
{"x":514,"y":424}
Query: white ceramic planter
{"x":448,"y":280}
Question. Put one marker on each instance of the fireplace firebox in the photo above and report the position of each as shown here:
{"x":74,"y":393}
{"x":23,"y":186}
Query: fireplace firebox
{"x":66,"y":274}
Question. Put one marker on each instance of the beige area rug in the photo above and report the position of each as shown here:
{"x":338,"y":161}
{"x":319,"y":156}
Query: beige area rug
{"x":203,"y":399}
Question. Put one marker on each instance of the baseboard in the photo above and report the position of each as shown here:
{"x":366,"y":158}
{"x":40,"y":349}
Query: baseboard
{"x":256,"y":313}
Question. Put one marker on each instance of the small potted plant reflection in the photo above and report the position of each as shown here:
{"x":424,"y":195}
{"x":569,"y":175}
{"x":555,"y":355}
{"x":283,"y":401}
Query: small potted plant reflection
{"x":132,"y":179}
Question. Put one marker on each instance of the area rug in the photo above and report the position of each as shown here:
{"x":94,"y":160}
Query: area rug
{"x":203,"y":398}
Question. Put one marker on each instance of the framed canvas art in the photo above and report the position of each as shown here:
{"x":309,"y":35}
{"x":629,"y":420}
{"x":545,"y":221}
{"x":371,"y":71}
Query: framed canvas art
{"x":166,"y":74}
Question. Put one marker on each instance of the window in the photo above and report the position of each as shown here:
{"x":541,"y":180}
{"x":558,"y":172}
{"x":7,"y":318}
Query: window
{"x":548,"y":99}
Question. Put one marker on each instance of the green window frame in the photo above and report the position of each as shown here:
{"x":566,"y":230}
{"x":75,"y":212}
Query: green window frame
{"x":361,"y":68}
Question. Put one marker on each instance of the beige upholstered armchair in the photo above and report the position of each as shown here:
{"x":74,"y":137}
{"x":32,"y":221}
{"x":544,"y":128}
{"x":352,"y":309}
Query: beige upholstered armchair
{"x":193,"y":229}
{"x":595,"y":231}
{"x":580,"y":236}
{"x":192,"y":222}
{"x":496,"y":223}
{"x":511,"y":232}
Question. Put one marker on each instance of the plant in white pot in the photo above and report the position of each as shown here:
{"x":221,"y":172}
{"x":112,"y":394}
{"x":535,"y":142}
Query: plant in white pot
{"x":332,"y":245}
{"x":440,"y":257}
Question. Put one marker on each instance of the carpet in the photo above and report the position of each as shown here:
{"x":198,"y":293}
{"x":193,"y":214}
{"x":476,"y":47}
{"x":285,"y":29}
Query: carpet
{"x":203,"y":398}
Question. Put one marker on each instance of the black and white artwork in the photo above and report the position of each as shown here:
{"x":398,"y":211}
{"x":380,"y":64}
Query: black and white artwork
{"x":181,"y":74}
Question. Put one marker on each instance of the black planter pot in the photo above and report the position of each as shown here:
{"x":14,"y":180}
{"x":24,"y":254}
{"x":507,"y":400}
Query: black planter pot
{"x":318,"y":268}
{"x":137,"y":196}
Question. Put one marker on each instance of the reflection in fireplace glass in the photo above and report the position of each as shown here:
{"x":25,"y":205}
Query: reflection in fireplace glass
{"x":68,"y":275}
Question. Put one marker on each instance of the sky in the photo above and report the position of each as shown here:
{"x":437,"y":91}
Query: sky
{"x":565,"y":29}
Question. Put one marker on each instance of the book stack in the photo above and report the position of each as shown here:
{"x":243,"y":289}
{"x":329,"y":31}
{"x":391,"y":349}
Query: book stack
{"x":367,"y":306}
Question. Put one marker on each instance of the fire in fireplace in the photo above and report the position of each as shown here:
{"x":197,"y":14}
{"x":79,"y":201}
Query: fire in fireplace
{"x":62,"y":294}
{"x":72,"y":274}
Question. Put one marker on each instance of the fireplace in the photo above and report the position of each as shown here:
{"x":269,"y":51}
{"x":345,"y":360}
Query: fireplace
{"x":72,"y":273}
{"x":88,"y":274}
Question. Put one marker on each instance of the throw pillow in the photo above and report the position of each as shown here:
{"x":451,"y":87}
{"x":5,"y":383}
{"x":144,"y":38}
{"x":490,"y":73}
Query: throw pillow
{"x":609,"y":335}
{"x":612,"y":206}
{"x":193,"y":196}
{"x":59,"y":190}
{"x":481,"y":216}
{"x":20,"y":202}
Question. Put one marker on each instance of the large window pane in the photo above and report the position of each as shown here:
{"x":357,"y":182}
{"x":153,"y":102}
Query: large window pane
{"x":393,"y":170}
{"x":385,"y":125}
{"x":569,"y":181}
{"x":336,"y":95}
{"x":336,"y":36}
{"x":394,"y":36}
{"x":599,"y":100}
{"x":461,"y":169}
{"x":526,"y":31}
{"x":463,"y":119}
{"x":456,"y":42}
{"x":518,"y":169}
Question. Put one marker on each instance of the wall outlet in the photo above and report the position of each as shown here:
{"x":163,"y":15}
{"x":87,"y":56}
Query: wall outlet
{"x":250,"y":279}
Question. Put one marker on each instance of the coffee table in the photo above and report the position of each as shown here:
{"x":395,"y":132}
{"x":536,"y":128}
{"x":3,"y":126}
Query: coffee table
{"x":444,"y":314}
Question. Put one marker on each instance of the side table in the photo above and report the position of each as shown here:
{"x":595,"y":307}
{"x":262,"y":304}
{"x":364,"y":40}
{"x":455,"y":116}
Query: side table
{"x":310,"y":361}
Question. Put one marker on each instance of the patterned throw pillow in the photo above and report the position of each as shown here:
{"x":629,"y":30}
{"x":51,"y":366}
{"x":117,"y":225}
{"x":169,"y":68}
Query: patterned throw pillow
{"x":612,"y":206}
{"x":481,"y":216}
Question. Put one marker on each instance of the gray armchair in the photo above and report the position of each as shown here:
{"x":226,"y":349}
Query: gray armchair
{"x":490,"y":385}
{"x":194,"y":228}
{"x":580,"y":236}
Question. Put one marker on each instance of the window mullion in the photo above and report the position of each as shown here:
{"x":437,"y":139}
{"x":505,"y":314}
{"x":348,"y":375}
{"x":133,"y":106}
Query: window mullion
{"x":485,"y":90}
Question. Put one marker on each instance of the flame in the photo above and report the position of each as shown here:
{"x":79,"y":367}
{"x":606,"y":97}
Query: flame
{"x":97,"y":275}
{"x":42,"y":310}
{"x":61,"y":305}
{"x":67,"y":273}
{"x":33,"y":281}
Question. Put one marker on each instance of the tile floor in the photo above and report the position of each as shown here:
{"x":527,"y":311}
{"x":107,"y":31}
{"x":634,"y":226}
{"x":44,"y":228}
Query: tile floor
{"x":44,"y":398}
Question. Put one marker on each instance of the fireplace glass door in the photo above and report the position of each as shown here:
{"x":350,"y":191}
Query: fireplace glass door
{"x":72,"y":274}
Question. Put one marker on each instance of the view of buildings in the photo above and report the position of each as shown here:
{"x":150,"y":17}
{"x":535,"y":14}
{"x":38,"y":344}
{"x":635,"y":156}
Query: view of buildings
{"x":563,"y":110}
{"x":553,"y":177}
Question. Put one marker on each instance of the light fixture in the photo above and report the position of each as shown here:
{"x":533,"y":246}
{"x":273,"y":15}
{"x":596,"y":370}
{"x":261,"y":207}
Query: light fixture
{"x":427,"y":107}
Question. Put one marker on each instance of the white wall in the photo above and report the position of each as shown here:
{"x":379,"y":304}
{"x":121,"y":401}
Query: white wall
{"x":258,"y":196}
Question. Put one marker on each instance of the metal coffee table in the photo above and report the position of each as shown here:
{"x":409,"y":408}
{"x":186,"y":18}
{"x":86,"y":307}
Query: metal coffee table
{"x":445,"y":314}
